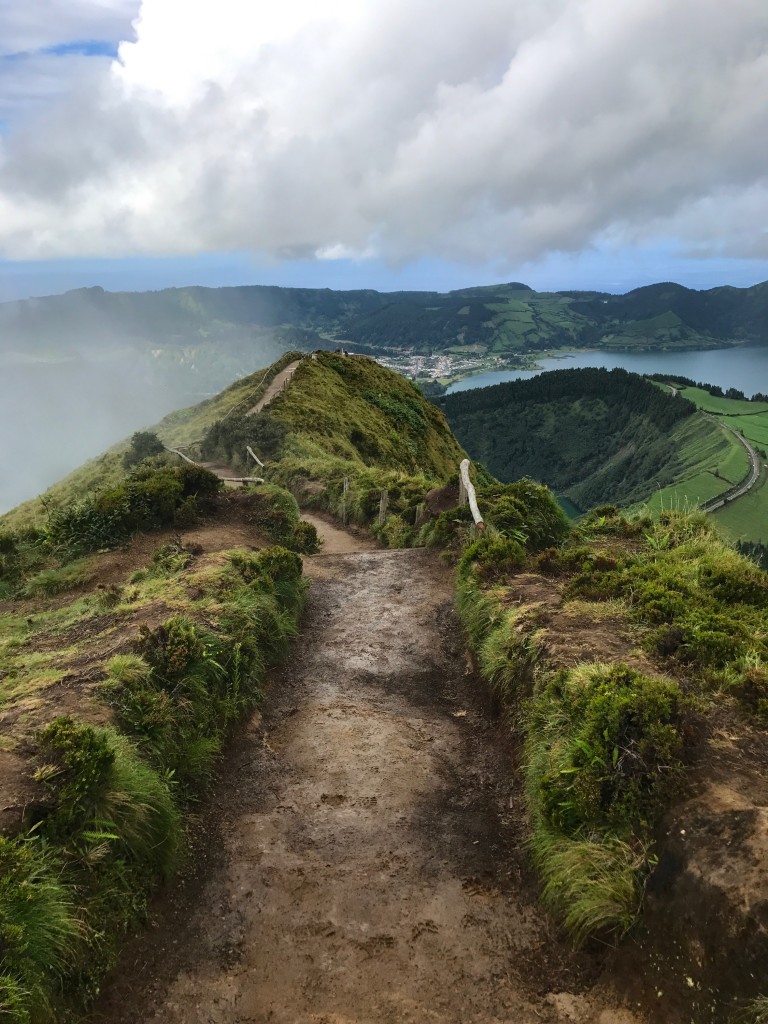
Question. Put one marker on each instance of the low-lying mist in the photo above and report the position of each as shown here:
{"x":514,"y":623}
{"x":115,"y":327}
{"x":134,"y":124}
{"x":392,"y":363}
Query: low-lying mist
{"x":56,"y":414}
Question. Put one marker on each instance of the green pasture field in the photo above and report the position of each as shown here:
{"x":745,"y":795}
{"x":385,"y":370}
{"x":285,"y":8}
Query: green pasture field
{"x":754,"y":428}
{"x":747,"y":517}
{"x":723,"y":406}
{"x":712,"y":461}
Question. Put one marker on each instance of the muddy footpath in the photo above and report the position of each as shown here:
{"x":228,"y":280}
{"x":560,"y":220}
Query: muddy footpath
{"x":363,"y":857}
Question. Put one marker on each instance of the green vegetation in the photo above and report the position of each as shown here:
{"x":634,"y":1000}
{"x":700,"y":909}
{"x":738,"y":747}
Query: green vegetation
{"x":591,"y":434}
{"x":45,"y":561}
{"x":500,"y":317}
{"x":108,"y":826}
{"x":144,"y":444}
{"x":184,"y":427}
{"x":709,"y":460}
{"x":351,"y":419}
{"x":606,"y":744}
{"x":606,"y":732}
{"x":744,"y":519}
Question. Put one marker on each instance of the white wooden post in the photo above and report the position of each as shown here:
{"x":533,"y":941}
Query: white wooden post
{"x":469,"y":491}
{"x":344,"y":500}
{"x":254,"y":456}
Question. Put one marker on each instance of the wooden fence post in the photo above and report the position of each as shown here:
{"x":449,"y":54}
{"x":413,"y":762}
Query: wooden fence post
{"x":254,"y":456}
{"x":383,"y":503}
{"x":469,"y":490}
{"x":344,"y":500}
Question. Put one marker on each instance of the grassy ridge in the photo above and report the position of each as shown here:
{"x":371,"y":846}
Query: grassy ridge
{"x":182,"y":427}
{"x":108,"y":823}
{"x":606,"y":744}
{"x":351,"y":419}
{"x":598,"y":436}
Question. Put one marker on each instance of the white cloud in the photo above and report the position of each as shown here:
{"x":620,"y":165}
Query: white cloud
{"x":476,"y":131}
{"x":35,"y":25}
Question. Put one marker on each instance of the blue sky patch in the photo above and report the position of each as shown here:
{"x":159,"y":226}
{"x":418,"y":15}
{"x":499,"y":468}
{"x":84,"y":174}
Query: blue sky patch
{"x":83,"y":48}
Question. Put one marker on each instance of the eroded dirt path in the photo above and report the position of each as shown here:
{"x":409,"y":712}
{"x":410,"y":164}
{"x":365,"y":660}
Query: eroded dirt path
{"x":275,"y":387}
{"x":364,"y":860}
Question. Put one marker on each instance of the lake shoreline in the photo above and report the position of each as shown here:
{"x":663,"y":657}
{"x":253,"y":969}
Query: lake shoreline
{"x":741,"y":366}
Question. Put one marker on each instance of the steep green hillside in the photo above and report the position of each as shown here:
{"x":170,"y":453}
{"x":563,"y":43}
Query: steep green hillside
{"x":747,"y":518}
{"x":597,"y":436}
{"x":342,"y":417}
{"x":182,"y":427}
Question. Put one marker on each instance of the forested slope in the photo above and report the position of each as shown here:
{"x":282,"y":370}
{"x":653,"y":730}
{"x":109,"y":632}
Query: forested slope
{"x":594,"y":435}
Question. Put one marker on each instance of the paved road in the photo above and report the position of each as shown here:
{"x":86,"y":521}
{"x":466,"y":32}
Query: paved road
{"x":746,"y":485}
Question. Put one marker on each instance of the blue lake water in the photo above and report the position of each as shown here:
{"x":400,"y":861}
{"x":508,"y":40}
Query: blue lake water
{"x":742,"y":368}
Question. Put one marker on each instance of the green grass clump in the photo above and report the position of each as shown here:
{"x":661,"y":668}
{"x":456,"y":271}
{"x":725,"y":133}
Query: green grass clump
{"x":603,"y":748}
{"x":273,"y":511}
{"x":39,"y":930}
{"x":491,"y":558}
{"x":107,"y":831}
{"x":56,"y":580}
{"x":190,"y":683}
{"x":708,"y":604}
{"x":149,"y":499}
{"x":594,"y":886}
{"x":524,"y":511}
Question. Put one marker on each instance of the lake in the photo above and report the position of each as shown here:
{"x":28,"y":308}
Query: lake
{"x":742,"y":368}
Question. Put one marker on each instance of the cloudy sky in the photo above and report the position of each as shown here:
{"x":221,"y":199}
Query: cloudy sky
{"x":382,"y":143}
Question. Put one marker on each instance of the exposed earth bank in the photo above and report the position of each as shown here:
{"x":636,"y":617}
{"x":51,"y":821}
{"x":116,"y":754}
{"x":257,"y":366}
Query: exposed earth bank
{"x":363,"y":858}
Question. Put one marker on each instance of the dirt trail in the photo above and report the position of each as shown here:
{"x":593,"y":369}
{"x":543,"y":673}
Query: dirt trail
{"x":275,"y":387}
{"x":364,"y":859}
{"x":337,"y":541}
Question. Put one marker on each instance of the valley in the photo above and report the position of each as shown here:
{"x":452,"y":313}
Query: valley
{"x":425,"y":770}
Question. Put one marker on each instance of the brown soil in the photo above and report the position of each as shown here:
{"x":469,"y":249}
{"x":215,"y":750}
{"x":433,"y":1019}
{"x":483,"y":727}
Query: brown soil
{"x":275,"y":387}
{"x":365,"y":860}
{"x":338,"y":541}
{"x":572,"y":633}
{"x":75,"y":689}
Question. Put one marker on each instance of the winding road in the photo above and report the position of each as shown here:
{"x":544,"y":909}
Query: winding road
{"x":745,"y":485}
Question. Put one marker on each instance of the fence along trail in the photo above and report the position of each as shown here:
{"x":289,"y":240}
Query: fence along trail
{"x":364,"y":860}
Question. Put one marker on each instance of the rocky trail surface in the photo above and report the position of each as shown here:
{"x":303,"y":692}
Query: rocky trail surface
{"x":362,"y":859}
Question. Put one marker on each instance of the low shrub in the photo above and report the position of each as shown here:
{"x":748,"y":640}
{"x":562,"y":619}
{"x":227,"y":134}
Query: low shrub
{"x":144,"y":445}
{"x":148,"y":500}
{"x":604,"y":747}
{"x":491,"y":558}
{"x":188,"y":683}
{"x":274,"y":512}
{"x":107,"y":831}
{"x":304,"y":539}
{"x":525,"y":511}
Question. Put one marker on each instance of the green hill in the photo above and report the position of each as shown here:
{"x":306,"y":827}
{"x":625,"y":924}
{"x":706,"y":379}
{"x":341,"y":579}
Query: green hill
{"x":598,"y":436}
{"x":142,"y":604}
